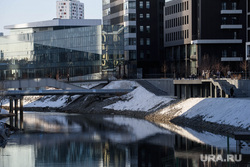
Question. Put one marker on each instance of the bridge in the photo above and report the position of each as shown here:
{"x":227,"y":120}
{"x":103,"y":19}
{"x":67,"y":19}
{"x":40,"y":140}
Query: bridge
{"x":16,"y":96}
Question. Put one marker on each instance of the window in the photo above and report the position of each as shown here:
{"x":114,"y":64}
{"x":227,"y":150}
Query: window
{"x":132,"y":29}
{"x":234,"y":5}
{"x":148,"y":41}
{"x":132,"y":17}
{"x":141,"y":16}
{"x":148,"y":29}
{"x":131,"y":5}
{"x":147,"y":15}
{"x":235,"y":35}
{"x":141,"y":54}
{"x":141,"y":4}
{"x":223,"y":6}
{"x":141,"y":41}
{"x":234,"y":20}
{"x":141,"y":28}
{"x":132,"y":41}
{"x":234,"y":53}
{"x":132,"y":55}
{"x":147,"y":4}
{"x":224,"y":20}
{"x":224,"y":53}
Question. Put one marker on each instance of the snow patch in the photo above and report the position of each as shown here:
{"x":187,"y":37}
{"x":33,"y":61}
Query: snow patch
{"x":139,"y":100}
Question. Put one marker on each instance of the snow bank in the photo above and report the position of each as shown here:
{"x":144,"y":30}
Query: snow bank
{"x":52,"y":101}
{"x":139,"y":100}
{"x":230,"y":111}
{"x":121,"y":85}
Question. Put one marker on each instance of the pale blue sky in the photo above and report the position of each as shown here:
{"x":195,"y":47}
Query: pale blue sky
{"x":23,"y":11}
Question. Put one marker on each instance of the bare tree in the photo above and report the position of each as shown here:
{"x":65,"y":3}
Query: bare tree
{"x":244,"y":66}
{"x":164,"y":69}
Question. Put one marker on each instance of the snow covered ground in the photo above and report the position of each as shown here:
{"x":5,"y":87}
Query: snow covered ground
{"x":230,"y":111}
{"x":139,"y":100}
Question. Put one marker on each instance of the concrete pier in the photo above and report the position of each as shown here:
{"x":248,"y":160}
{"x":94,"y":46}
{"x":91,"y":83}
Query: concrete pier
{"x":16,"y":99}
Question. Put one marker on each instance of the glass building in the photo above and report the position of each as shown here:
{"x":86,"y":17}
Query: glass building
{"x":61,"y":49}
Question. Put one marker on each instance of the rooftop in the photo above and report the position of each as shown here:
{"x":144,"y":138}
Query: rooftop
{"x":57,"y":23}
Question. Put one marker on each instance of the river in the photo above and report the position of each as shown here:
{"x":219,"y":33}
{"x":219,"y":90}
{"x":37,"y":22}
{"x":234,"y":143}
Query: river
{"x":72,"y":140}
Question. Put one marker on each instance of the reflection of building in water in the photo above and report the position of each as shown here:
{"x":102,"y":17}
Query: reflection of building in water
{"x":59,"y":47}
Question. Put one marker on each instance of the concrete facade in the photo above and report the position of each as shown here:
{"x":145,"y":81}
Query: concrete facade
{"x":166,"y":85}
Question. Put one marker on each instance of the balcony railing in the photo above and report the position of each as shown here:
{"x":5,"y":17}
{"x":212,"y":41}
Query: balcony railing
{"x":231,"y":11}
{"x":231,"y":59}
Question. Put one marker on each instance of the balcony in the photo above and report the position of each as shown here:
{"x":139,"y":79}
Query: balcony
{"x":231,"y":59}
{"x":231,"y":11}
{"x":231,"y":26}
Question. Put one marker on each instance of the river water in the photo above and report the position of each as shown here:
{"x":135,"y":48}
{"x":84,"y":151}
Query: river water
{"x":72,"y":140}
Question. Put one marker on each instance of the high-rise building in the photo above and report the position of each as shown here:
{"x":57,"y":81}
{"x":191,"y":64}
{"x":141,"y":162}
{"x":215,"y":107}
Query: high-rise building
{"x":204,"y":35}
{"x":69,"y":9}
{"x":143,"y":34}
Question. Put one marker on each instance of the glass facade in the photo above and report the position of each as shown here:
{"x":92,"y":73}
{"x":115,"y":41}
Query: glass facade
{"x":56,"y":54}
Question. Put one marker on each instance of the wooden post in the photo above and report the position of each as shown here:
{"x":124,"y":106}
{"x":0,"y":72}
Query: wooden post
{"x":11,"y":111}
{"x":16,"y":112}
{"x":21,"y":113}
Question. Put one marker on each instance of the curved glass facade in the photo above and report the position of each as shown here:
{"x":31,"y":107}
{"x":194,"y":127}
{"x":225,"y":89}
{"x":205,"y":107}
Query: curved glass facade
{"x":72,"y":51}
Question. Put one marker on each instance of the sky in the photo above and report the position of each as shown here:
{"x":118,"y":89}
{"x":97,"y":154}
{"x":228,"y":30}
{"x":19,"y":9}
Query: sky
{"x":24,"y":11}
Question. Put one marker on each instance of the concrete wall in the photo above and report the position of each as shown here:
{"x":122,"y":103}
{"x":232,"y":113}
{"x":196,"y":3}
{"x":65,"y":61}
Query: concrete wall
{"x":244,"y":85}
{"x":166,"y":85}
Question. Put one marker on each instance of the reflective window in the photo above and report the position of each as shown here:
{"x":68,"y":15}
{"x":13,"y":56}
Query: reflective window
{"x":141,"y":4}
{"x":147,"y":4}
{"x":141,"y":16}
{"x":141,"y":41}
{"x":132,"y":5}
{"x":223,"y":5}
{"x":141,"y":28}
{"x":148,"y":41}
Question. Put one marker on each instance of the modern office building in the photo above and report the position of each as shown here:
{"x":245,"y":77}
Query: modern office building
{"x":204,"y":35}
{"x":59,"y":47}
{"x":248,"y":30}
{"x":69,"y":9}
{"x":143,"y":34}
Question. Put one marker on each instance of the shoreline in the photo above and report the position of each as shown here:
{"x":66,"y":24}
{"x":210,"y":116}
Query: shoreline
{"x":195,"y":123}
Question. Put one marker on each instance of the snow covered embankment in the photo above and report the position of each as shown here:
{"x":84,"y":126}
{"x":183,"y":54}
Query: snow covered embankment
{"x":138,"y":100}
{"x":227,"y":111}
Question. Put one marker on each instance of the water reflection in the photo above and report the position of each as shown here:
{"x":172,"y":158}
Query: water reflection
{"x":54,"y":139}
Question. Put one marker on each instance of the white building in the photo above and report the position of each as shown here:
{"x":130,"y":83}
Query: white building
{"x":69,"y":9}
